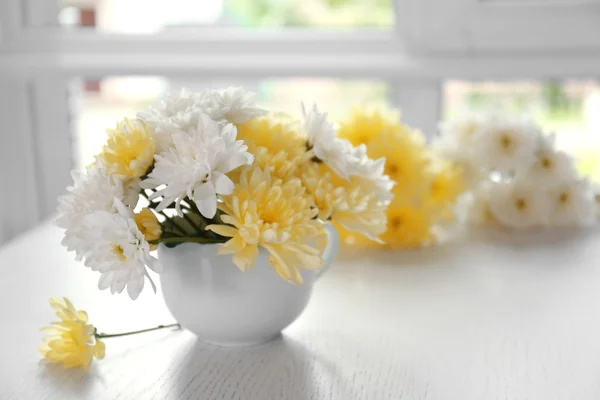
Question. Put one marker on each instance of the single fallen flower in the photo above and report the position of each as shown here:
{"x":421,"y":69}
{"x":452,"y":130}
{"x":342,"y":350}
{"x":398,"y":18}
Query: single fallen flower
{"x":74,"y":342}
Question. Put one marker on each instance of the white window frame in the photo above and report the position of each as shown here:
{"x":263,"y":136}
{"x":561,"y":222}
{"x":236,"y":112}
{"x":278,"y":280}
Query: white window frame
{"x":429,"y":45}
{"x":494,"y":26}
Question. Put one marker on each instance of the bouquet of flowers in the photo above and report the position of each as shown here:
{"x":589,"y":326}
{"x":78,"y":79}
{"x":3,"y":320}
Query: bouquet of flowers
{"x":427,"y":184}
{"x":211,"y":167}
{"x":517,"y":176}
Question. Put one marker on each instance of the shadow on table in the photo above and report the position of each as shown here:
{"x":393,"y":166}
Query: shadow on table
{"x":541,"y":237}
{"x":446,"y":251}
{"x":280,"y":369}
{"x":398,"y":257}
{"x":74,"y":382}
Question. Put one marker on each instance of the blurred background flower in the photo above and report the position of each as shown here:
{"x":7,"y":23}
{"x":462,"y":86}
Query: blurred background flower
{"x":427,"y":186}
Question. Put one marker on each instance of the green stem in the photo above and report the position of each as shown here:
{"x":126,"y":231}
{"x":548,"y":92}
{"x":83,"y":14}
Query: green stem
{"x":175,"y":224}
{"x":203,"y":221}
{"x":192,"y":205}
{"x":179,"y":228}
{"x":110,"y":335}
{"x":192,"y":223}
{"x":185,"y":206}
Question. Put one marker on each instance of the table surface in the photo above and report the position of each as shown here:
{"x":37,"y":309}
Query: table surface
{"x":493,"y":316}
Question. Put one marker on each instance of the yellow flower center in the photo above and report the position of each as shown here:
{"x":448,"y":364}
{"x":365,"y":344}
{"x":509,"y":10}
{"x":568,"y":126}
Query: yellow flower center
{"x":395,"y":222}
{"x":506,"y":141}
{"x":435,"y":188}
{"x":489,"y":215}
{"x":521,"y":204}
{"x":118,"y":250}
{"x":268,"y":218}
{"x":393,"y":170}
{"x":564,"y":198}
{"x":546,"y":163}
{"x":470,"y":129}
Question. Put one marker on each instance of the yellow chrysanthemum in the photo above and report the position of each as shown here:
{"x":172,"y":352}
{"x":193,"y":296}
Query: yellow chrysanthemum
{"x":276,"y":215}
{"x":129,"y":151}
{"x":275,"y":144}
{"x":404,"y":148}
{"x":365,"y":124}
{"x":361,"y":209}
{"x":446,"y":186}
{"x":407,"y":159}
{"x":408,"y":227}
{"x":317,"y":178}
{"x":70,"y":341}
{"x":148,"y":224}
{"x":353,"y":204}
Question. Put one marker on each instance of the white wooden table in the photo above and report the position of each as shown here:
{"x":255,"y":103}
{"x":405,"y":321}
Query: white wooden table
{"x":476,"y":320}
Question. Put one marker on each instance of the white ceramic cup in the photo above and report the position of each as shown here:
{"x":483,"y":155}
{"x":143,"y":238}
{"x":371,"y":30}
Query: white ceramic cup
{"x":208,"y":295}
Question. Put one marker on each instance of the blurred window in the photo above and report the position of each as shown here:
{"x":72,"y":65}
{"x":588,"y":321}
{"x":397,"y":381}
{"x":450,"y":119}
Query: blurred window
{"x":151,"y":16}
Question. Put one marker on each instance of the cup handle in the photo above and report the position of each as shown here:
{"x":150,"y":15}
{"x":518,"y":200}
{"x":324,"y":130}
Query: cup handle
{"x":331,"y":251}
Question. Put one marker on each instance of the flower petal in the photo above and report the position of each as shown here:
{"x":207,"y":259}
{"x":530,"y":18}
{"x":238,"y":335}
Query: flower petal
{"x":222,"y":230}
{"x":235,"y":244}
{"x":246,"y":258}
{"x":223,"y":184}
{"x":155,"y":265}
{"x":205,"y":198}
{"x":99,"y":350}
{"x":105,"y":279}
{"x":135,"y":286}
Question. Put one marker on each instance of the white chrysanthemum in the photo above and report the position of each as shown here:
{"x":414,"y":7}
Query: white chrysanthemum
{"x":321,"y":139}
{"x":455,"y":144}
{"x":117,"y":249}
{"x":91,"y":191}
{"x":455,"y":140}
{"x":359,"y":163}
{"x":506,"y":145}
{"x":551,"y":166}
{"x":460,"y":132}
{"x":383,"y":189}
{"x":181,"y":111}
{"x":519,"y":204}
{"x":196,"y":166}
{"x":240,"y":105}
{"x":572,"y":204}
{"x":462,"y":157}
{"x":474,"y":208}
